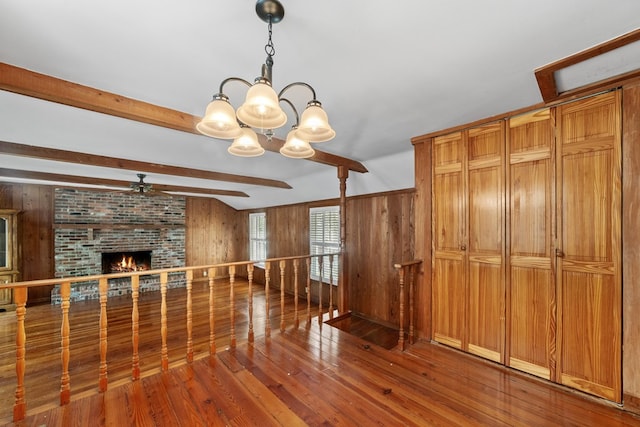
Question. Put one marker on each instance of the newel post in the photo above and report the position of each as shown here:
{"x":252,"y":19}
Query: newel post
{"x":20,"y":407}
{"x":65,"y":388}
{"x":343,"y":282}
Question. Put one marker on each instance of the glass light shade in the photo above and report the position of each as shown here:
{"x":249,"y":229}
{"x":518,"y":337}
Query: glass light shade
{"x":219,"y":120}
{"x":295,"y":147}
{"x":314,"y":124}
{"x":261,"y":109}
{"x":246,"y":145}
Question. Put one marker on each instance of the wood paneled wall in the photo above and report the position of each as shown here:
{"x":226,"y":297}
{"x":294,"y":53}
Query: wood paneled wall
{"x":35,"y":233}
{"x":380,"y":232}
{"x":287,"y":235}
{"x":215,"y":233}
{"x":287,"y":230}
{"x":423,"y":237}
{"x":631,"y":245}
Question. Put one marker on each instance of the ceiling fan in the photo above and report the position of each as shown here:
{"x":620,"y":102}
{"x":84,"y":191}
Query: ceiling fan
{"x":142,"y":187}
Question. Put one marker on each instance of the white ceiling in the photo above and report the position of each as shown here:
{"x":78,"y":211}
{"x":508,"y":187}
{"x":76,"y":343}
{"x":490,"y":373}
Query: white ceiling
{"x":383,"y":73}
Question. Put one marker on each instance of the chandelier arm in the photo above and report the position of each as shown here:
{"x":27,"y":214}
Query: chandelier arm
{"x":290,"y":85}
{"x":292,"y":107}
{"x":230,"y":79}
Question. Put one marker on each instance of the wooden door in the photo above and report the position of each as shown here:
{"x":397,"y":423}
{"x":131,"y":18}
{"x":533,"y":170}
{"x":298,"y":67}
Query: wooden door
{"x":448,"y":287}
{"x":531,"y":294}
{"x":589,"y":245}
{"x":485,"y":259}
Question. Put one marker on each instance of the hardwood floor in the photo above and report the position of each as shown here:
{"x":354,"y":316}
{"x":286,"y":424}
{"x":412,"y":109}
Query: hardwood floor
{"x":42,"y":323}
{"x":313,"y":375}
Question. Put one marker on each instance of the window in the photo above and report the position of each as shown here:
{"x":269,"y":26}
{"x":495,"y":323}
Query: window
{"x":257,"y":236}
{"x":324,"y":238}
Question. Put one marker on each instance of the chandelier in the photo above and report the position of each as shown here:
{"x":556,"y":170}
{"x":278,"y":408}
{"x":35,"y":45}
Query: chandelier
{"x":261,"y":109}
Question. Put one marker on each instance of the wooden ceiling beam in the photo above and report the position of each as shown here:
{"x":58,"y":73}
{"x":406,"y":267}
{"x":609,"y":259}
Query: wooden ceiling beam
{"x":72,"y":179}
{"x":133,"y":165}
{"x":25,"y":82}
{"x":41,"y":86}
{"x":320,"y":156}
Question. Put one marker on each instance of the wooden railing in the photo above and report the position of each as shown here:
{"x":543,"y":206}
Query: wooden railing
{"x":213,"y":273}
{"x":407,"y":272}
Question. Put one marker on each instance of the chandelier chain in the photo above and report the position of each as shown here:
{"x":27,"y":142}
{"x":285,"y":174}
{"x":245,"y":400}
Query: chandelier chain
{"x":269,"y":48}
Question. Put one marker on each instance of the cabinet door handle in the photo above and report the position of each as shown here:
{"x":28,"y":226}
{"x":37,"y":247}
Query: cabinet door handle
{"x":463,"y":247}
{"x":559,"y":253}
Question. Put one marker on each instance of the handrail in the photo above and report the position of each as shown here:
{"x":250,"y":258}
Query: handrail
{"x":404,"y":268}
{"x":77,"y":279}
{"x":20,"y":298}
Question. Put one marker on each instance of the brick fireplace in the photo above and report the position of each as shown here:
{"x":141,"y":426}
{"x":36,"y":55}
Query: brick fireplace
{"x":90,"y":223}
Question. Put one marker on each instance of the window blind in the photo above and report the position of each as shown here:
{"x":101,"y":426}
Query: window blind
{"x":324,"y":238}
{"x":257,"y":236}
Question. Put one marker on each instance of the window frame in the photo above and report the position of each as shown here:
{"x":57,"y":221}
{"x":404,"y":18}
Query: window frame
{"x":258,"y":238}
{"x":330,"y":242}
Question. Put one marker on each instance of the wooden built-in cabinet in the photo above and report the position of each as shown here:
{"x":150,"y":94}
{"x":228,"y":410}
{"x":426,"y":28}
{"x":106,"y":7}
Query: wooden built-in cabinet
{"x":9,"y":254}
{"x":526,"y":243}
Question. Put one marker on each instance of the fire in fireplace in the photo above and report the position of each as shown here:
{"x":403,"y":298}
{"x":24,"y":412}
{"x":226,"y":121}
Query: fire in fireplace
{"x":124,"y":262}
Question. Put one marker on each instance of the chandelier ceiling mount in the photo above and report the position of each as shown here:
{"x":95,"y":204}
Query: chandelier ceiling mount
{"x":270,"y":10}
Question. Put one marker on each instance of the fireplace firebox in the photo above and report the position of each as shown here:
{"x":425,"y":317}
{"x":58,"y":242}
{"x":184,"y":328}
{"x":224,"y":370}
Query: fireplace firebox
{"x":125,"y":261}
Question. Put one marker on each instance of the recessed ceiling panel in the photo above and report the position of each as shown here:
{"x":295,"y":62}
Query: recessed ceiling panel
{"x":614,"y":63}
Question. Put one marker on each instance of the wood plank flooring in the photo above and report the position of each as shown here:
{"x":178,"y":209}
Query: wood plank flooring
{"x":42,"y":323}
{"x":319,"y":375}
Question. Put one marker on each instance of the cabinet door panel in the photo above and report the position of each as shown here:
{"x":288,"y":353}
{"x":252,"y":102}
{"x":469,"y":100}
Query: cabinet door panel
{"x":447,"y":212}
{"x":591,"y":334}
{"x":486,"y":230}
{"x":531,"y":208}
{"x":531,"y":295}
{"x":587,"y":197}
{"x":486,"y":142}
{"x":448,"y":297}
{"x":449,"y":281}
{"x":589,"y":271}
{"x":486,"y":226}
{"x":532,"y":320}
{"x":486,"y":308}
{"x":448,"y":151}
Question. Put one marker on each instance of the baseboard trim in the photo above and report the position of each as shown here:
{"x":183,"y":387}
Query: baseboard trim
{"x":631,"y":403}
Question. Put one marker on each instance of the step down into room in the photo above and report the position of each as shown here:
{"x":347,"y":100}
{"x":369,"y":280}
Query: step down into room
{"x":368,"y":330}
